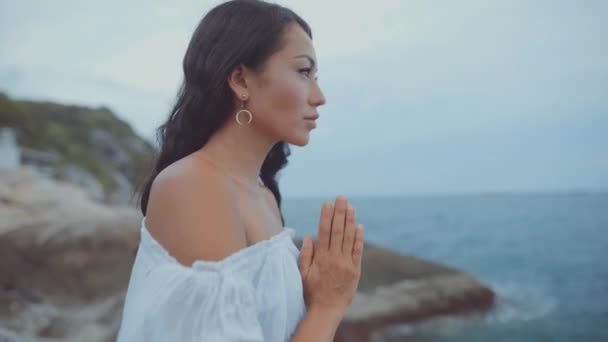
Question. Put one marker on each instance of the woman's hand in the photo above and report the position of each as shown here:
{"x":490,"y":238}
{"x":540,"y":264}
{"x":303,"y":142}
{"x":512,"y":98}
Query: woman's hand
{"x":331,"y":267}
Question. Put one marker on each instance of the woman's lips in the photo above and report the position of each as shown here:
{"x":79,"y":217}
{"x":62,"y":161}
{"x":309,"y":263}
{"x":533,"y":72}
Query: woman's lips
{"x":311,"y":122}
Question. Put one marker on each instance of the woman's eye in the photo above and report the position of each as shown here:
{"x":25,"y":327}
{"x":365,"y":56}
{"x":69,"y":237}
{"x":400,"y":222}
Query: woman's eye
{"x":305,"y":71}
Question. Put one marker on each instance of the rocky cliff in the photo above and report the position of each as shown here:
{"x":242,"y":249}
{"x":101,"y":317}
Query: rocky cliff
{"x":90,"y":147}
{"x":64,"y":260}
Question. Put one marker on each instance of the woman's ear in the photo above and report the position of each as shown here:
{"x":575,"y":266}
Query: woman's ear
{"x":237,"y":80}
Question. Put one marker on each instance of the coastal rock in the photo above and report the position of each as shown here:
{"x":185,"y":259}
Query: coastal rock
{"x":89,"y":147}
{"x":64,"y":260}
{"x":395,"y":289}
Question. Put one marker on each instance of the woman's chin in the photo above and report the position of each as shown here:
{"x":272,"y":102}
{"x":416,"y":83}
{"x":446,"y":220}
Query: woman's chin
{"x":301,"y":140}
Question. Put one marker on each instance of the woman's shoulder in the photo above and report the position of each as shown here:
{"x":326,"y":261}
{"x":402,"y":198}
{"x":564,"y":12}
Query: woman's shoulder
{"x":190,"y":171}
{"x":185,"y":183}
{"x":191,"y":213}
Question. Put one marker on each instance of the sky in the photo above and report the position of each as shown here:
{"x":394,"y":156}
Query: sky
{"x":423,"y":97}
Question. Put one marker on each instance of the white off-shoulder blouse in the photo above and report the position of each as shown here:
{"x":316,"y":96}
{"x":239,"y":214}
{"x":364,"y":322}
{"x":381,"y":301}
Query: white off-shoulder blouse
{"x":254,"y":294}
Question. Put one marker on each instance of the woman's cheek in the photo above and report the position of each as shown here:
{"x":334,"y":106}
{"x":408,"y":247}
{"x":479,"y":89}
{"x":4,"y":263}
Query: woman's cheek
{"x":286,"y":96}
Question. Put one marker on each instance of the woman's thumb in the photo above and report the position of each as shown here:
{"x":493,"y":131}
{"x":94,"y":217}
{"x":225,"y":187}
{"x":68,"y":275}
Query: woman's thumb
{"x":306,"y":254}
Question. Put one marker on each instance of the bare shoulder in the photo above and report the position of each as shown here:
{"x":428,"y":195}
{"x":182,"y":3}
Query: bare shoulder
{"x":192,"y":213}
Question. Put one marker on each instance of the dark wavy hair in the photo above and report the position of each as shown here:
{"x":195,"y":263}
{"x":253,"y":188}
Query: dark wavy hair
{"x":236,"y":32}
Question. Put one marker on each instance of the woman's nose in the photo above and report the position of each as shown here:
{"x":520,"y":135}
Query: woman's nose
{"x":317,"y":98}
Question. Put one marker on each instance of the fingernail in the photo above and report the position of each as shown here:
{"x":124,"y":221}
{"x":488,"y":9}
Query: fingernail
{"x":327,"y":204}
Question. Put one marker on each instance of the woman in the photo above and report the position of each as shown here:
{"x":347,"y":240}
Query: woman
{"x":215,"y":262}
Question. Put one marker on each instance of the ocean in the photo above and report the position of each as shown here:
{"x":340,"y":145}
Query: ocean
{"x":545,"y":255}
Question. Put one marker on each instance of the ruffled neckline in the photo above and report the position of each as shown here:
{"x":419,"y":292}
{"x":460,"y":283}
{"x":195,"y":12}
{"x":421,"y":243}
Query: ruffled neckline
{"x":231,"y":261}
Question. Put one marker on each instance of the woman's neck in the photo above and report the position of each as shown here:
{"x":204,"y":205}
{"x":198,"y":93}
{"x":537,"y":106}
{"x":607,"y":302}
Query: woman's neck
{"x":239,"y":150}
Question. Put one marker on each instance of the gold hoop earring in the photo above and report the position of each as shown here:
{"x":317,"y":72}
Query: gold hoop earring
{"x":243,"y":110}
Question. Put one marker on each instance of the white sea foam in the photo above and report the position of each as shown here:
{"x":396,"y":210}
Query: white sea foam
{"x":514,"y":303}
{"x":520,"y":302}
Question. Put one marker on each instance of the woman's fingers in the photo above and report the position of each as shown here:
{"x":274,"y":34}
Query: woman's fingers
{"x":358,"y":245}
{"x":306,"y":254}
{"x":349,"y":231}
{"x":327,"y":212}
{"x":337,"y":226}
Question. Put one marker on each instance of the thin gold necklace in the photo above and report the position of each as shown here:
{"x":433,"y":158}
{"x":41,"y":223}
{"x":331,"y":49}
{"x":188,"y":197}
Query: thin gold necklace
{"x":260,"y":184}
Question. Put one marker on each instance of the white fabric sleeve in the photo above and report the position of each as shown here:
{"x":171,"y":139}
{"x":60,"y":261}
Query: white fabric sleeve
{"x":204,"y":306}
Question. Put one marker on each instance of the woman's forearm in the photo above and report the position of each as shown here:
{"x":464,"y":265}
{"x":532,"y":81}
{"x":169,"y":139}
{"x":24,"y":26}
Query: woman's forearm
{"x":318,"y":325}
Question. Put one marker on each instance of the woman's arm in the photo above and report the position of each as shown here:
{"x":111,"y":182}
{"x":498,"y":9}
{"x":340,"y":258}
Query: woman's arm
{"x":318,"y":325}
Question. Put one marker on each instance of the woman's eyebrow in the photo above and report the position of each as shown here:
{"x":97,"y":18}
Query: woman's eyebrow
{"x":312,"y":61}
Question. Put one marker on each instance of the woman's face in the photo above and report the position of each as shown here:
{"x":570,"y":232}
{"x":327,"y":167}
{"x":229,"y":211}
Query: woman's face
{"x":284,"y":96}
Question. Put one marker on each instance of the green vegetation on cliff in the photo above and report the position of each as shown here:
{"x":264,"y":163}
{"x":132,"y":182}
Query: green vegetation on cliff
{"x":93,"y":139}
